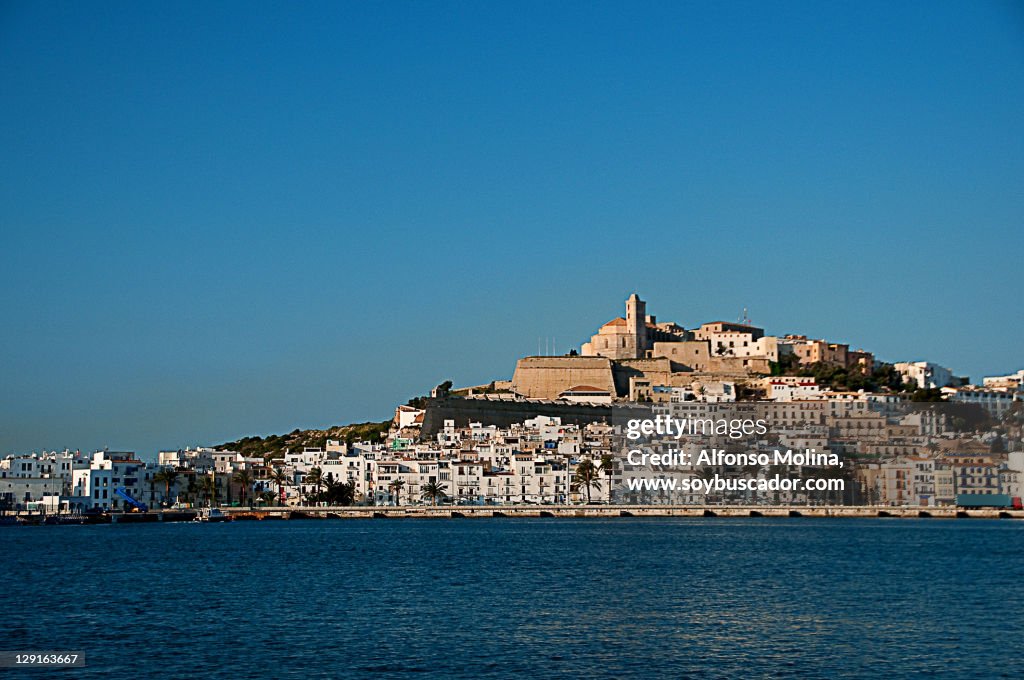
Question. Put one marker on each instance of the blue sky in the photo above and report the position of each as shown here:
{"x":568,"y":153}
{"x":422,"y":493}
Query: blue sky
{"x":221,"y":219}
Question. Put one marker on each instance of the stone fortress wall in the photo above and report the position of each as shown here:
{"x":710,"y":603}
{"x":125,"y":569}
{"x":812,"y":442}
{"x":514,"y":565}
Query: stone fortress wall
{"x":638,"y":348}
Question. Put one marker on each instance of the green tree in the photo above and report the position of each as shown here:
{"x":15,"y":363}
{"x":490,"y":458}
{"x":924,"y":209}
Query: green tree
{"x":587,"y":477}
{"x":337,"y":492}
{"x":932,"y":394}
{"x":433,"y":491}
{"x":395,"y":487}
{"x":208,"y":488}
{"x":244,"y":480}
{"x":166,"y":476}
{"x":707,"y":474}
{"x":314,"y":478}
{"x":751,"y":471}
{"x":607,"y":468}
{"x":280,"y":477}
{"x":191,"y":489}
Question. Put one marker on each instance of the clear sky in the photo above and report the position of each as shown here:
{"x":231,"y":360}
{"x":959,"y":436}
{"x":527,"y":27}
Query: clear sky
{"x":222,"y":219}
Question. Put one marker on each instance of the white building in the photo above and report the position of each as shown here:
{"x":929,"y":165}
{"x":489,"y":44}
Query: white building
{"x":1007,"y":382}
{"x":790,"y":390}
{"x":109,"y":472}
{"x":711,"y":392}
{"x":28,"y":478}
{"x":996,"y":401}
{"x":925,"y":374}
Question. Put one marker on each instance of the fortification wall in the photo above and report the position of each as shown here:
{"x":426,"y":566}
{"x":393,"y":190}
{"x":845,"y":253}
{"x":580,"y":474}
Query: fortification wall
{"x":547,"y":377}
{"x":693,"y":355}
{"x":739,"y":366}
{"x":657,"y":370}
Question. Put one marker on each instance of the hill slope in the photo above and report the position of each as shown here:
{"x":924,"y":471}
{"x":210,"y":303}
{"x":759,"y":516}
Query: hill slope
{"x":274,"y":445}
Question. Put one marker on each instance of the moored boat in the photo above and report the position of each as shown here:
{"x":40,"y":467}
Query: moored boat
{"x":212,"y":515}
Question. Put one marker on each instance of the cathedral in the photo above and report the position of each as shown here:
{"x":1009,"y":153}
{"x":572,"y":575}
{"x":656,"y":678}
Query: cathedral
{"x":629,"y":356}
{"x":632,"y":337}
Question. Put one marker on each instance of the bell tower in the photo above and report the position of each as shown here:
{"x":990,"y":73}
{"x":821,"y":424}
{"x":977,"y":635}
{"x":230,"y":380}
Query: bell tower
{"x":636,"y":323}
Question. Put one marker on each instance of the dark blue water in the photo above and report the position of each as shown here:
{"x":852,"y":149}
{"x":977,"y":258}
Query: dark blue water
{"x":617,"y":598}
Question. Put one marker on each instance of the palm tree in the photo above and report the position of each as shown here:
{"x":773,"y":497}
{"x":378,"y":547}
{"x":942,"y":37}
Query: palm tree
{"x":339,"y":493}
{"x":315,"y":477}
{"x":608,"y":468}
{"x":280,"y":477}
{"x":167,"y":476}
{"x":751,"y":471}
{"x":396,"y":486}
{"x":208,"y":487}
{"x":244,"y":479}
{"x":849,"y":477}
{"x":191,"y":489}
{"x":706,"y":474}
{"x":777,"y":470}
{"x":433,"y":491}
{"x":587,"y":477}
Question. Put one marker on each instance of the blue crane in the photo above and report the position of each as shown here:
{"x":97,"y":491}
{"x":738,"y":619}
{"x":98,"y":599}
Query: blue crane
{"x":123,"y":493}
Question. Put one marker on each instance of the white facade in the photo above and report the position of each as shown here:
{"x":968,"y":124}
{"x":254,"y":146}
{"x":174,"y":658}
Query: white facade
{"x":713,"y":392}
{"x":925,"y":374}
{"x":779,"y":390}
{"x":28,"y":478}
{"x":1011,"y":382}
{"x":996,"y":402}
{"x":109,"y":471}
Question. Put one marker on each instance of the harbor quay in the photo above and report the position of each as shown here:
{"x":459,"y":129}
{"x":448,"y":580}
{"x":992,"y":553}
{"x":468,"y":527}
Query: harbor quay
{"x":611,"y":511}
{"x":526,"y":511}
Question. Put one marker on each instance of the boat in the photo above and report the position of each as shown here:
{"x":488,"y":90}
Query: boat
{"x":64,"y":519}
{"x":212,"y":515}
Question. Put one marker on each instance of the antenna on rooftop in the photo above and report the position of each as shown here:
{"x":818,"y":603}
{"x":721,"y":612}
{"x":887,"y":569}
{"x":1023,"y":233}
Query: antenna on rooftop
{"x":744,"y":318}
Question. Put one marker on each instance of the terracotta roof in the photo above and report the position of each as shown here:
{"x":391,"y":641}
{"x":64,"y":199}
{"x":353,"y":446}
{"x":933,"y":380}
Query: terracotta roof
{"x":618,"y":321}
{"x":585,"y":388}
{"x":732,"y":323}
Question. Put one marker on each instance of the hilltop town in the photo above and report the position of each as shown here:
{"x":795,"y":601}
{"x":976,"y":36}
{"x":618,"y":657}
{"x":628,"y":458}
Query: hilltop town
{"x":909,"y":433}
{"x":636,"y":358}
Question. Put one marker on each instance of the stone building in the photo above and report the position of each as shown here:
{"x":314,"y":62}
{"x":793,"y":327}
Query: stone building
{"x":631,"y":355}
{"x":632,"y":337}
{"x":548,"y":377}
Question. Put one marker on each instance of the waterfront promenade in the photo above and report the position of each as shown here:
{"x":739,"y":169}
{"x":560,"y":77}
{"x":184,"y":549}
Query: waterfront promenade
{"x":539,"y":511}
{"x":608,"y":511}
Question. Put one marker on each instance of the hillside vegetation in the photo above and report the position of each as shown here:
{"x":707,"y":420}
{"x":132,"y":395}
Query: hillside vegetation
{"x":274,"y":445}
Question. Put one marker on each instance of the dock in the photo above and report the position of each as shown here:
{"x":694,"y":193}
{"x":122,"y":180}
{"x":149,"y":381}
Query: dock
{"x":612,"y":511}
{"x":532,"y":511}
